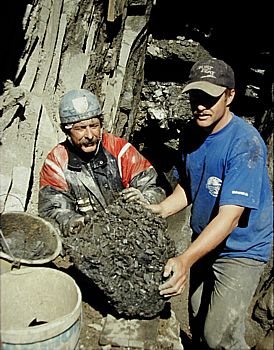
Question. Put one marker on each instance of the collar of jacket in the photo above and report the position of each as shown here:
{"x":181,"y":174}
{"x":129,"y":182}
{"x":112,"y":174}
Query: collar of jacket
{"x":76,"y":161}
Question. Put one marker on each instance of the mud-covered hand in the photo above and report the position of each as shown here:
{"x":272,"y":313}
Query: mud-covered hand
{"x":176,"y":271}
{"x":76,"y":224}
{"x":133,"y":194}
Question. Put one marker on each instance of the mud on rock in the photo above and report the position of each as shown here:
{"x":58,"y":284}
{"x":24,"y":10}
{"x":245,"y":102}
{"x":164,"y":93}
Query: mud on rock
{"x":123,"y":251}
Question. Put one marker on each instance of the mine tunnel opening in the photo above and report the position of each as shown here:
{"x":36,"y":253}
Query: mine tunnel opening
{"x":13,"y":41}
{"x":243,"y":43}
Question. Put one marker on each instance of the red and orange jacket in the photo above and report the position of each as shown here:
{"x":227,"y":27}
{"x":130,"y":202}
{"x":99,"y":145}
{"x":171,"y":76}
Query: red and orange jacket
{"x":71,"y":187}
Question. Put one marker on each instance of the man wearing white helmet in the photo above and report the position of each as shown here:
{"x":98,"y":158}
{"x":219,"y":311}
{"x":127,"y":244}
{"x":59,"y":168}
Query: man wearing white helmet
{"x":87,"y":171}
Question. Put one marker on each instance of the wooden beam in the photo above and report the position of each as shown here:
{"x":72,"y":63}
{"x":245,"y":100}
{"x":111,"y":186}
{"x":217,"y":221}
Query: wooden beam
{"x":115,"y":9}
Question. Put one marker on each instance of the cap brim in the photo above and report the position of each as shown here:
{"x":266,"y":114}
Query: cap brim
{"x":207,"y":87}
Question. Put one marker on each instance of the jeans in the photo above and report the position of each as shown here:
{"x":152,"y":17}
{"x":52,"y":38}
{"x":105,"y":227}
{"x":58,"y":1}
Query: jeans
{"x":220,"y":293}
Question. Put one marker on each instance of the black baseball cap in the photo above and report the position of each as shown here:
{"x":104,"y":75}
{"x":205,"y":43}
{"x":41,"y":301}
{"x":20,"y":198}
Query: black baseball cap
{"x":212,"y":76}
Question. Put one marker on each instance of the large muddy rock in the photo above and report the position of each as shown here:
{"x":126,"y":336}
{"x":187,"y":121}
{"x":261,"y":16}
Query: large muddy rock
{"x":123,"y":251}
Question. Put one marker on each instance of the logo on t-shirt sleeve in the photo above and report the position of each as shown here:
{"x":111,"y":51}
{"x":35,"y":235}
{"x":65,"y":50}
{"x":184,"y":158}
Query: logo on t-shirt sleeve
{"x":213,"y":185}
{"x":241,"y":193}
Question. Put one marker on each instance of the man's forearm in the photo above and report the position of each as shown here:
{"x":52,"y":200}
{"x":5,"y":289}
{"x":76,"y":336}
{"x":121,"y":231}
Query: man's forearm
{"x":174,"y":203}
{"x":214,"y":233}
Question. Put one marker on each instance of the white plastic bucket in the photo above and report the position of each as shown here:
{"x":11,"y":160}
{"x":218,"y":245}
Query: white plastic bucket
{"x":39,"y":294}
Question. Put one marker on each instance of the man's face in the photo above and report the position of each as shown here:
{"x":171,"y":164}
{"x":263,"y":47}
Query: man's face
{"x":211,"y":112}
{"x":85,"y":134}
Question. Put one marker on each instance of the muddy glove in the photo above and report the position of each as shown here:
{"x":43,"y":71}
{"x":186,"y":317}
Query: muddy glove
{"x":75,"y":225}
{"x":133,"y":194}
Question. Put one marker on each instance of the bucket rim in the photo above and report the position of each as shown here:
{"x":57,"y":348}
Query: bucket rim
{"x":53,"y":328}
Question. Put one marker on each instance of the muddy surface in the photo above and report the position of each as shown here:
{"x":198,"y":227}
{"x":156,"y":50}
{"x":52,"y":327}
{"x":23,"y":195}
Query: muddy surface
{"x":26,"y":237}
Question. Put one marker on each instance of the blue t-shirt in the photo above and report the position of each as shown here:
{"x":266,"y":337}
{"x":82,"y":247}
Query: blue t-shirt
{"x":229,"y":167}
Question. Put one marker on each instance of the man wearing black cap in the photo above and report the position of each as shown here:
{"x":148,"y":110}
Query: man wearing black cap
{"x":224,"y":177}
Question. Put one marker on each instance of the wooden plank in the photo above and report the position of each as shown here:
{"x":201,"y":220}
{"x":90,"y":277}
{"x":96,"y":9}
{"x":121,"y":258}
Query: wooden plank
{"x":115,"y":9}
{"x":32,"y":36}
{"x":55,"y":66}
{"x":17,"y":154}
{"x":48,"y":135}
{"x":74,"y":67}
{"x":32,"y":65}
{"x":91,"y":33}
{"x":48,"y":46}
{"x":133,"y":26}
